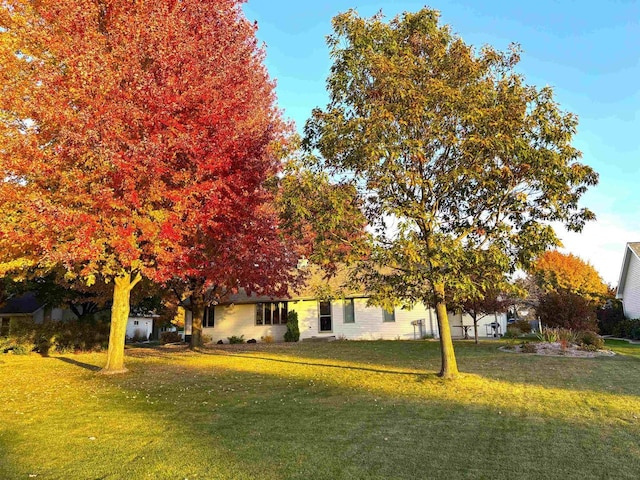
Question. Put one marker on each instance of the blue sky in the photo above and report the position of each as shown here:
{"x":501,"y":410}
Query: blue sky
{"x":589,"y":52}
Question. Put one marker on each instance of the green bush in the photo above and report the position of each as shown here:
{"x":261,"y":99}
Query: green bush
{"x":523,"y":325}
{"x":23,"y":348}
{"x":635,"y":330}
{"x":590,"y":339}
{"x":609,"y":315}
{"x":293,"y":331}
{"x":60,"y":337}
{"x":235,"y":339}
{"x":512,"y":332}
{"x":170,"y":337}
{"x":627,"y":329}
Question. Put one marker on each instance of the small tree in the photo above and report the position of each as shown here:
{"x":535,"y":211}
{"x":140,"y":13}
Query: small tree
{"x":293,"y":331}
{"x":491,"y":302}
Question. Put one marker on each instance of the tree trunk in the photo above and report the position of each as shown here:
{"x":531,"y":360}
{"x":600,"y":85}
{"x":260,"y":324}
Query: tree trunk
{"x":119,"y":317}
{"x":197,"y":315}
{"x":475,"y":327}
{"x":449,"y":367}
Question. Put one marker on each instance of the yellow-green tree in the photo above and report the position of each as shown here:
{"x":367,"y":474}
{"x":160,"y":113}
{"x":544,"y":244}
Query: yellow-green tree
{"x":451,"y":144}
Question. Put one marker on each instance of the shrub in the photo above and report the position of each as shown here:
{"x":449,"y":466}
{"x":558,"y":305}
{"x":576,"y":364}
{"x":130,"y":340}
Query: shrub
{"x":567,"y":310}
{"x":529,"y":347}
{"x":627,"y":329}
{"x":61,"y":337}
{"x":293,"y":331}
{"x":566,"y":336}
{"x":267,"y":339}
{"x":609,"y":315}
{"x":235,"y":339}
{"x":548,"y":335}
{"x":207,"y":339}
{"x":512,"y":332}
{"x":590,"y":339}
{"x":521,"y":324}
{"x":170,"y":337}
{"x":635,"y":330}
{"x":23,"y":348}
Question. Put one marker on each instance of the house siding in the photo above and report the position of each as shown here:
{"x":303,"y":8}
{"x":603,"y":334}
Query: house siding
{"x":631,"y":293}
{"x":143,"y":328}
{"x":369,"y":324}
{"x":240,"y":319}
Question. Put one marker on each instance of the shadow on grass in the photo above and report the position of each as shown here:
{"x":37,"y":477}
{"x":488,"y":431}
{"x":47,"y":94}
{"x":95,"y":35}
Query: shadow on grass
{"x":599,"y":375}
{"x":274,"y":425}
{"x":328,"y":365}
{"x":236,"y":419}
{"x":86,"y":366}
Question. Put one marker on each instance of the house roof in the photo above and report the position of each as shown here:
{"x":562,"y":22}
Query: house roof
{"x":316,"y":286}
{"x":22,"y":305}
{"x":632,"y":248}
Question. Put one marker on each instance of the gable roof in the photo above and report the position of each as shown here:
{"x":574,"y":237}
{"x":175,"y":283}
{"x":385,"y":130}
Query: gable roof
{"x":632,"y":248}
{"x":316,"y":285}
{"x":22,"y":305}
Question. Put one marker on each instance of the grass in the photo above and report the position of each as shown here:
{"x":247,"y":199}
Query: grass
{"x":356,"y":410}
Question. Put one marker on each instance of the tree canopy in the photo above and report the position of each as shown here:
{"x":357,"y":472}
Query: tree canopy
{"x":451,"y":144}
{"x":131,"y":133}
{"x":558,"y":272}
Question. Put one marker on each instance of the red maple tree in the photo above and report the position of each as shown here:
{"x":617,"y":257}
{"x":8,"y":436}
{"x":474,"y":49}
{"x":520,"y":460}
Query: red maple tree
{"x":136,"y":138}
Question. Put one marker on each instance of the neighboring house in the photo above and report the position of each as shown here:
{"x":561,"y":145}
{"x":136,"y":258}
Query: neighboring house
{"x":346,"y":316}
{"x":629,"y":281}
{"x":140,"y":326}
{"x":28,"y":306}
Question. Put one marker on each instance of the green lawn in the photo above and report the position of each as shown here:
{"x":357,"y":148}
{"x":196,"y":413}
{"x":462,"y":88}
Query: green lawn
{"x":341,"y":410}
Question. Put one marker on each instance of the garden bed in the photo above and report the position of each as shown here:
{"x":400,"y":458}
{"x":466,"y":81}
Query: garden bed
{"x":555,"y":349}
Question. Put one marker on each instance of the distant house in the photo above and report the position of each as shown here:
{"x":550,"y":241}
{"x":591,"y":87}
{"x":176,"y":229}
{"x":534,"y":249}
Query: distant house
{"x":629,"y":281}
{"x":28,"y":307}
{"x":25,"y":306}
{"x":346,"y":315}
{"x":140,"y":326}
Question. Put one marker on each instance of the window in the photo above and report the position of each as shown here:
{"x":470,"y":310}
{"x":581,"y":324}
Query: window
{"x":349,"y":312}
{"x":271,"y":313}
{"x":389,"y":315}
{"x":325,"y":317}
{"x":208,"y":320}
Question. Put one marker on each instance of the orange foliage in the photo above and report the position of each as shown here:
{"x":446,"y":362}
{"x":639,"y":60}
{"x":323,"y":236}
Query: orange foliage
{"x":559,"y":272}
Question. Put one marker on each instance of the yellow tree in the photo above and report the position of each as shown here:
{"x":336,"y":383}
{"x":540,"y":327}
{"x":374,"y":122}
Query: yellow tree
{"x":451,"y":142}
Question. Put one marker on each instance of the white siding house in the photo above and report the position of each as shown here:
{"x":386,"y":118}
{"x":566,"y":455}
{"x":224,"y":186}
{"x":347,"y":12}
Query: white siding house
{"x":345,"y":318}
{"x":629,"y":282}
{"x":139,"y":327}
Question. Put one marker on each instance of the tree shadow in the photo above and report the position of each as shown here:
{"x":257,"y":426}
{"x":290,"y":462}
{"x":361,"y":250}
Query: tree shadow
{"x":240,"y":419}
{"x":86,"y":366}
{"x":327,"y":365}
